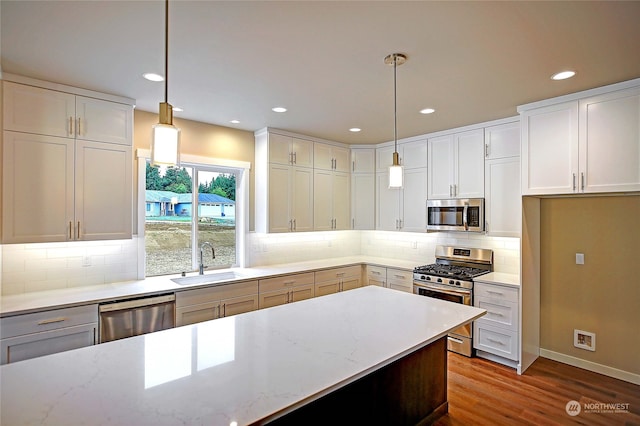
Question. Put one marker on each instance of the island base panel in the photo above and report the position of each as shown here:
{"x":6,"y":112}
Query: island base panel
{"x":410,"y":391}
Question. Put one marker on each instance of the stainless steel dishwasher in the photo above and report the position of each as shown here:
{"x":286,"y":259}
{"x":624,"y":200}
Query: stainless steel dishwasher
{"x":133,"y":317}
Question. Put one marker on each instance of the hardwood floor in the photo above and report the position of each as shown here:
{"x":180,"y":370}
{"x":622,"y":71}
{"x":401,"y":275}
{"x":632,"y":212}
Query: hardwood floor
{"x":481,"y":392}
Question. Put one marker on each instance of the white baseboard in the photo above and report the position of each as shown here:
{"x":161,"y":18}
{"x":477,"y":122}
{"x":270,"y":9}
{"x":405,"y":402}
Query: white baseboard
{"x":591,"y":366}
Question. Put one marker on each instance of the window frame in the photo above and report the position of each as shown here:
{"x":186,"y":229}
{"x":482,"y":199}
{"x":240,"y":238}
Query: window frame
{"x":240,"y":168}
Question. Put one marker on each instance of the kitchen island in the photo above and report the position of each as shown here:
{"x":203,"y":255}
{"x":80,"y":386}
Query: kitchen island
{"x":375,"y":352}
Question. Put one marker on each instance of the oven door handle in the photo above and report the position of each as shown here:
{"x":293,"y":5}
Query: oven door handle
{"x":442,"y":290}
{"x":465,"y":213}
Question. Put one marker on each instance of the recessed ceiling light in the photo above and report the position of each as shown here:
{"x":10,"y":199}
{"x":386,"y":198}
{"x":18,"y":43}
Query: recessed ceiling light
{"x":278,"y":109}
{"x":153,"y":76}
{"x":355,"y":129}
{"x":235,"y":121}
{"x":563,"y":75}
{"x":427,"y":111}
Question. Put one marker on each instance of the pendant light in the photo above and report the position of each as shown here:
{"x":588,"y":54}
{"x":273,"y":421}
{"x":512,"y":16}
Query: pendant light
{"x":395,"y":170}
{"x":165,"y":140}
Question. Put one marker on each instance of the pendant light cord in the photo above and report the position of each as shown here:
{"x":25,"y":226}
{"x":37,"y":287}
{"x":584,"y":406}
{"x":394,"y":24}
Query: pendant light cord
{"x":395,"y":105}
{"x":166,"y":52}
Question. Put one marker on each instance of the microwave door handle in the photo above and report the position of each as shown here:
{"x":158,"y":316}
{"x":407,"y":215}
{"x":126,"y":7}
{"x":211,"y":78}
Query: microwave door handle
{"x":465,"y":212}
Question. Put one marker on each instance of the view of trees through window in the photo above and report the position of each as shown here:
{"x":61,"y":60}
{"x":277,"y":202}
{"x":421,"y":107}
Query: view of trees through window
{"x":175,"y":230}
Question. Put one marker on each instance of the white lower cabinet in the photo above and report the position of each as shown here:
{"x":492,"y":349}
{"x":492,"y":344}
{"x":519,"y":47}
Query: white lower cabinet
{"x":44,"y":333}
{"x":338,"y":279}
{"x":287,"y":289}
{"x":497,"y":332}
{"x":204,"y":304}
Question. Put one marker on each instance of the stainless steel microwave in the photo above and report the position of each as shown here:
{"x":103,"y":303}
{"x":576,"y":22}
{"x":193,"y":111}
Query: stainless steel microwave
{"x":466,"y":215}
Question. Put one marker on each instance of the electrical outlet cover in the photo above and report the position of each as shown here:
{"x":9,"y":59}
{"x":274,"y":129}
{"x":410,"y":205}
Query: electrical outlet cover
{"x":584,"y":340}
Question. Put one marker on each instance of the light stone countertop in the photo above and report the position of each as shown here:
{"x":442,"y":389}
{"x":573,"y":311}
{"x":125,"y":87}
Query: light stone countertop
{"x":245,"y":368}
{"x":62,"y":298}
{"x":500,"y":278}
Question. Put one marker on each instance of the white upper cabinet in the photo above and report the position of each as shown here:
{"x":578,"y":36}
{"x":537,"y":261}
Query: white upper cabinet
{"x":502,"y":141}
{"x":456,"y":165}
{"x":67,"y":165}
{"x":330,"y":157}
{"x":363,"y":201}
{"x":609,"y":142}
{"x":502,"y":208}
{"x":30,"y":109}
{"x":588,"y":144}
{"x":331,"y":200}
{"x":550,"y":149}
{"x":289,"y":150}
{"x":402,"y":209}
{"x":363,"y":160}
{"x":412,"y":155}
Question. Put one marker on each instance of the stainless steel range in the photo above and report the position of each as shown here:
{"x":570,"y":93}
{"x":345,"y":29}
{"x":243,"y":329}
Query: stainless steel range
{"x":451,"y":279}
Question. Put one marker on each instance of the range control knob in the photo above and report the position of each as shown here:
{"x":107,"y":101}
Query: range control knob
{"x":439,"y":280}
{"x":457,"y":282}
{"x":428,"y":278}
{"x":422,"y":277}
{"x":451,"y":282}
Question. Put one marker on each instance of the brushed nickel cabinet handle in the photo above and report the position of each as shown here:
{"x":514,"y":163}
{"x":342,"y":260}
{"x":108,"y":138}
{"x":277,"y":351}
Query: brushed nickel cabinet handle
{"x":78,"y":131}
{"x":70,"y":230}
{"x":582,"y":180}
{"x":574,"y":181}
{"x":70,"y":126}
{"x":78,"y":235}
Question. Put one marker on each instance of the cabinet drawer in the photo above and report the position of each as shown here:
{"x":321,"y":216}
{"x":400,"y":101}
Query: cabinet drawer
{"x":400,"y":276}
{"x":34,"y":345}
{"x":48,"y":320}
{"x":377,"y":273}
{"x":495,"y":292}
{"x":332,"y":274}
{"x":497,"y":341}
{"x":502,"y":314}
{"x":210,"y":294}
{"x":288,"y":281}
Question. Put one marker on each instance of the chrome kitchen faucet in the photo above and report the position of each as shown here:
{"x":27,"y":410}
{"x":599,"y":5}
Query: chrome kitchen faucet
{"x":213,"y":253}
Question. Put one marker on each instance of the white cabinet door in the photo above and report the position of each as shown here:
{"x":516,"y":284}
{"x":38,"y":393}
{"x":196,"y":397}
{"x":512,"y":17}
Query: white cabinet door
{"x":341,"y":198}
{"x":38,"y":188}
{"x":609,"y":142}
{"x":302,"y":198}
{"x":322,"y":156}
{"x":387,"y":204}
{"x":363,"y":203}
{"x":302,"y":151}
{"x":384,"y":158}
{"x":323,"y":200}
{"x":363,"y":160}
{"x":331,"y":200}
{"x":279,"y":198}
{"x":502,"y":197}
{"x":35,"y":110}
{"x":502,"y":141}
{"x":469,"y":164}
{"x":414,"y":200}
{"x":441,"y":159}
{"x":549,"y":141}
{"x":280,"y":149}
{"x":103,"y":121}
{"x":290,"y":198}
{"x":103,"y":191}
{"x":414,"y":154}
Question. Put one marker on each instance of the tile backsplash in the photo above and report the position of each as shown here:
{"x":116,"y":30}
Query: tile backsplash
{"x":27,"y":268}
{"x":49,"y":266}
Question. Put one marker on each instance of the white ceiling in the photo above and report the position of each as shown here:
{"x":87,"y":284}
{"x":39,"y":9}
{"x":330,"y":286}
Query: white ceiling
{"x":323,"y":60}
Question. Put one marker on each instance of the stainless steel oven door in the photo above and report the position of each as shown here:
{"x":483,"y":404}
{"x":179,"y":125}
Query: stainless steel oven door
{"x":450,"y":294}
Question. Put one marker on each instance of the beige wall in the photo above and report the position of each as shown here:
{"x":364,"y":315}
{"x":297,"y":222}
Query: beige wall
{"x":205,"y":140}
{"x":603,"y":295}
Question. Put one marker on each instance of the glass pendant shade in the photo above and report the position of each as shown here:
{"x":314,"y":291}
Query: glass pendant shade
{"x":165,"y":145}
{"x":395,"y":172}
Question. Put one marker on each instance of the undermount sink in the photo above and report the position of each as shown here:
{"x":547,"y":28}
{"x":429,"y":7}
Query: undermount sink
{"x":209,"y":278}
